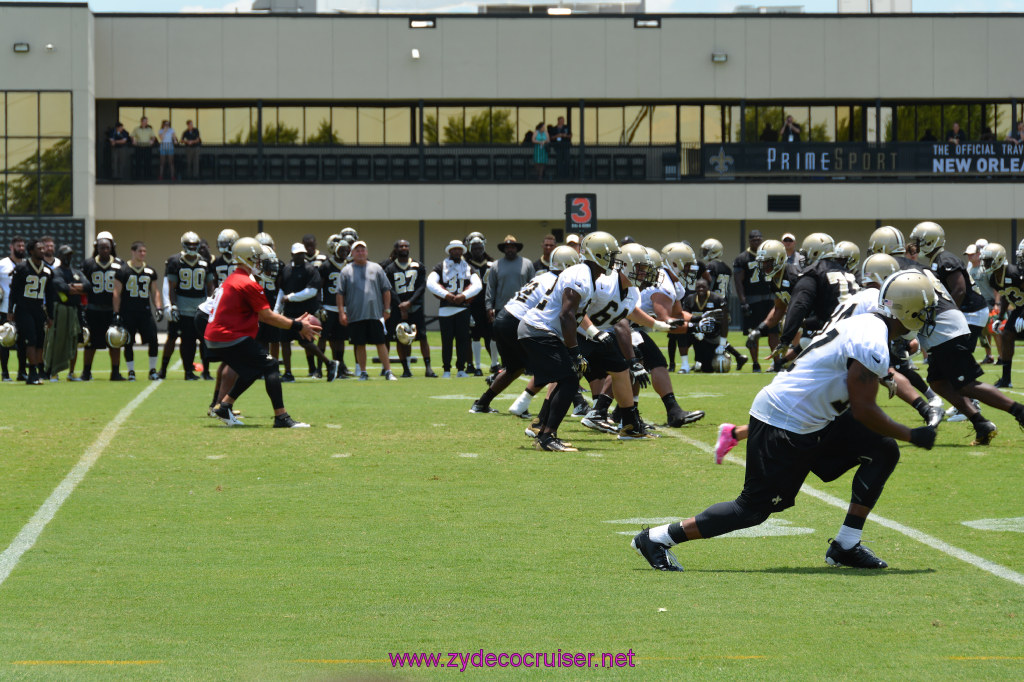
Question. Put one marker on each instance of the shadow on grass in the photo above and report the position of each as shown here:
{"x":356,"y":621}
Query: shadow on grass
{"x":812,"y":570}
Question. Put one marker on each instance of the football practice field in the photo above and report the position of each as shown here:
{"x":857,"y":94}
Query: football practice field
{"x":179,"y":549}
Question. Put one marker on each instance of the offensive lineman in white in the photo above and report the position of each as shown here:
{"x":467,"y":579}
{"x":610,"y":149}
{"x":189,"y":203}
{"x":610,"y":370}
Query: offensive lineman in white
{"x":820,"y":417}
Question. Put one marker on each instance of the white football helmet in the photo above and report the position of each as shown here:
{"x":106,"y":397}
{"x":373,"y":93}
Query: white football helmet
{"x":333,"y":241}
{"x":8,"y":334}
{"x":600,"y":248}
{"x":993,"y":257}
{"x":405,"y":333}
{"x":117,"y":336}
{"x":711,"y":249}
{"x":190,"y":244}
{"x":104,"y":235}
{"x":877,"y":268}
{"x":564,"y":257}
{"x":225,"y":240}
{"x":929,"y":237}
{"x":848,"y":254}
{"x":908,"y":297}
{"x":887,"y":239}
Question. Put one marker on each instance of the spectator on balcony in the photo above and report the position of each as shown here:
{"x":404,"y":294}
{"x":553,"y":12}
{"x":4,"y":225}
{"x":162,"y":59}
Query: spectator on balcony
{"x":790,"y":130}
{"x":120,"y":141}
{"x":192,"y":141}
{"x":561,"y":137}
{"x":769,"y":134}
{"x":929,"y":136}
{"x":987,"y":135}
{"x":143,"y":138}
{"x":168,"y":138}
{"x":956,"y":135}
{"x":1018,"y":136}
{"x":540,"y":149}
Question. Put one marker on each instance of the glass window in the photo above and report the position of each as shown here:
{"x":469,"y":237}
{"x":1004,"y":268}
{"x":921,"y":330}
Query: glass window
{"x":21,"y":153}
{"x":156,"y":116}
{"x":529,"y":117}
{"x":371,"y":125}
{"x":55,"y":114}
{"x":318,"y":126}
{"x":999,"y":118}
{"x":637,"y":125}
{"x":211,"y":125}
{"x":238,"y":129}
{"x":22,"y":193}
{"x":55,"y":194}
{"x":343,"y":120}
{"x":477,"y":125}
{"x":398,"y":125}
{"x":289,"y":128}
{"x":451,"y":123}
{"x":610,"y":127}
{"x":823,"y":124}
{"x":3,"y":120}
{"x":929,"y":122}
{"x":130,"y":117}
{"x":713,"y":123}
{"x":178,"y":118}
{"x":23,"y":113}
{"x":55,"y":155}
{"x":800,"y":117}
{"x":663,"y":124}
{"x":879,"y":123}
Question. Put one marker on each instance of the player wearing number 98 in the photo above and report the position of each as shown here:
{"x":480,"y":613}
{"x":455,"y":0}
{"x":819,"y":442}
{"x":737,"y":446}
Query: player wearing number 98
{"x":101,"y":273}
{"x":31,"y":306}
{"x":821,"y":417}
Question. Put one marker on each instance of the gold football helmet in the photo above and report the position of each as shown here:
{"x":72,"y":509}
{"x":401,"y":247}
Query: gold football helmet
{"x":887,"y":239}
{"x":929,"y":237}
{"x":190,"y":244}
{"x":908,"y":297}
{"x":637,"y":265}
{"x":849,"y":254}
{"x":816,"y":246}
{"x":993,"y":257}
{"x":683,"y":261}
{"x":877,"y":267}
{"x":771,"y":258}
{"x":265,"y":239}
{"x":600,"y":248}
{"x":564,"y":257}
{"x":225,"y":240}
{"x":711,"y":249}
{"x":656,"y":258}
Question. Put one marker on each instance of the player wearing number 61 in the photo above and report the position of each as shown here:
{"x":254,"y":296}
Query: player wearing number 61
{"x":820,"y":417}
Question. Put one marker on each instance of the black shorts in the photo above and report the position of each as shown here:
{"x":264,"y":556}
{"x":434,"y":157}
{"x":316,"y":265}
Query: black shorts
{"x":778,"y":461}
{"x":953,"y":361}
{"x":247,"y":356}
{"x":704,"y":353}
{"x":417,"y":318}
{"x":30,"y":319}
{"x":758,"y":311}
{"x":201,"y":320}
{"x":505,"y":332}
{"x":480,"y":326}
{"x":649,"y":352}
{"x":269,"y":334}
{"x":603,"y":358}
{"x":366,"y":333}
{"x":333,"y":329}
{"x":98,"y":322}
{"x":139,"y":322}
{"x":548,"y":358}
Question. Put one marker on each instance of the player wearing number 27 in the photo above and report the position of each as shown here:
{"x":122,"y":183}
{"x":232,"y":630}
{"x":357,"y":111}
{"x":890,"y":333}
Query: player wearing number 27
{"x":820,"y":417}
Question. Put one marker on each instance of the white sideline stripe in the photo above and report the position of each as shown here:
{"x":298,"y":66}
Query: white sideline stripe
{"x":925,"y":539}
{"x":34,"y":528}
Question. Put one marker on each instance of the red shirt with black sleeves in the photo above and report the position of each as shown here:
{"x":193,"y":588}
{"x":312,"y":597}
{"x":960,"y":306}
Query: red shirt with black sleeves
{"x":237,"y":312}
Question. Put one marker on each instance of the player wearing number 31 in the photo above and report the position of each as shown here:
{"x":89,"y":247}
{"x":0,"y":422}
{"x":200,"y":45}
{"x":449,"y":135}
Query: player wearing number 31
{"x":31,"y":306}
{"x":820,"y":417}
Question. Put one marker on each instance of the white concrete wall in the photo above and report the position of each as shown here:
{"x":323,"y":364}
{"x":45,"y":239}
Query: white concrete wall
{"x":68,"y":67}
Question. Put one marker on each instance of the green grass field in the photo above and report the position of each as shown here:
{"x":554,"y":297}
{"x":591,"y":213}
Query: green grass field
{"x":402,"y":523}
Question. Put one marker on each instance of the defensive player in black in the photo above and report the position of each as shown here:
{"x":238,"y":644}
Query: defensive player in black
{"x":224,"y":264}
{"x":781,"y":276}
{"x":136,"y":296}
{"x":334,"y":333}
{"x":186,"y":290}
{"x":1009,"y":282}
{"x":101,"y":272}
{"x":300,"y":294}
{"x":269,"y":335}
{"x":408,"y":283}
{"x":31,"y":306}
{"x":480,"y":330}
{"x":755,"y":294}
{"x":704,"y":302}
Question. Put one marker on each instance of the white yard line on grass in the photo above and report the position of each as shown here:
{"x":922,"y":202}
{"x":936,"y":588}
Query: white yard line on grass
{"x":34,"y":528}
{"x":925,"y":539}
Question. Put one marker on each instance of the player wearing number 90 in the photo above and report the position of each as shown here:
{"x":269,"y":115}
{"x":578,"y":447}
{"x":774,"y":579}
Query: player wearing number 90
{"x":820,"y":417}
{"x":101,"y":273}
{"x":185,"y":273}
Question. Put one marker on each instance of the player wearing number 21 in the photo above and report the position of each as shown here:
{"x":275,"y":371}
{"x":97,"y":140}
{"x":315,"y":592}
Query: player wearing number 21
{"x":821,"y":417}
{"x":31,"y":309}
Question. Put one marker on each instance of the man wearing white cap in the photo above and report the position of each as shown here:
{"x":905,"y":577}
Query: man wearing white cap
{"x":299,"y":294}
{"x":793,"y":257}
{"x":364,"y":305}
{"x":455,"y":284}
{"x":981,"y":283}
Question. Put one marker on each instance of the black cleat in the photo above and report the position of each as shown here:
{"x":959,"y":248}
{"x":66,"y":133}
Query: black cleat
{"x":206,"y":376}
{"x":332,"y":370}
{"x":755,"y":368}
{"x":191,"y":376}
{"x":677,"y":417}
{"x":285,"y":421}
{"x":740,"y":361}
{"x":287,"y":377}
{"x":117,"y":376}
{"x":984,"y":433}
{"x":131,"y":375}
{"x":549,"y":443}
{"x":406,"y":374}
{"x":154,"y":375}
{"x":1002,"y":383}
{"x":430,"y":374}
{"x":87,"y":375}
{"x":857,"y":556}
{"x":477,"y":408}
{"x":657,"y":555}
{"x":932,"y":416}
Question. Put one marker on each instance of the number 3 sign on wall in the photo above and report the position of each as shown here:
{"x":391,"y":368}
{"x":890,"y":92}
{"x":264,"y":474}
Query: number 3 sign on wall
{"x":580,"y":213}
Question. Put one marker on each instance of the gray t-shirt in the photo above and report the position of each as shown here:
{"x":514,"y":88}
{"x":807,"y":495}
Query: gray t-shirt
{"x":363,"y":287}
{"x":505,"y":278}
{"x":981,"y":283}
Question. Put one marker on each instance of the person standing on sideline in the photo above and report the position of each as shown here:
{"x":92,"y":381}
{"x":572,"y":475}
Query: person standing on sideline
{"x":136,"y":297}
{"x":455,"y":284}
{"x":507,"y":276}
{"x":364,"y":304}
{"x":101,"y":273}
{"x":7,"y":266}
{"x":62,"y":339}
{"x":543,"y":264}
{"x":233,"y":325}
{"x":408,"y":283}
{"x":31,"y":310}
{"x":300,"y":294}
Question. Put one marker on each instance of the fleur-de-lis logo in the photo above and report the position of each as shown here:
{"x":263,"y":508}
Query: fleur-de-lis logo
{"x":721,"y":162}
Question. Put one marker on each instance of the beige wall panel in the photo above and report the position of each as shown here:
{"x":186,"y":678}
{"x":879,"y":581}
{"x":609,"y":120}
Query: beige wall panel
{"x":1003,"y":64}
{"x":140,"y":59}
{"x":797,"y":58}
{"x":477,"y":201}
{"x":196,"y":59}
{"x":579,"y":59}
{"x":251,"y":54}
{"x":356,"y":75}
{"x":103,"y":56}
{"x":896,"y":200}
{"x":1000,"y":200}
{"x":524,"y":59}
{"x":139,"y":202}
{"x":38,"y":69}
{"x":205,"y":205}
{"x":305,"y":61}
{"x":684,"y":60}
{"x":241,"y":202}
{"x":300,"y":200}
{"x":467,"y":48}
{"x":730,"y":78}
{"x":756,"y":56}
{"x":960,"y":56}
{"x":368,"y":202}
{"x":949,"y":203}
{"x":851,"y":58}
{"x":631,"y":68}
{"x":408,"y":202}
{"x":908,"y":43}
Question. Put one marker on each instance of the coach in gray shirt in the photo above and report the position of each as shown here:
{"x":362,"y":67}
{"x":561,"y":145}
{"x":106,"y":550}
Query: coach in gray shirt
{"x":364,"y":303}
{"x":506,"y":276}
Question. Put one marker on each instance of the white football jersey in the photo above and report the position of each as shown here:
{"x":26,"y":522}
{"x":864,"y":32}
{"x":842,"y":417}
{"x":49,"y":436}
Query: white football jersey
{"x":531,"y":294}
{"x":673,"y":290}
{"x":544,"y":315}
{"x":610,"y":303}
{"x":813,"y":393}
{"x":864,"y":301}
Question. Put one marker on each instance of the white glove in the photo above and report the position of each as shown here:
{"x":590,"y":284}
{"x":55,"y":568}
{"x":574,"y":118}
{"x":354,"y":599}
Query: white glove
{"x":660,"y":326}
{"x":1018,"y":325}
{"x":174,"y":314}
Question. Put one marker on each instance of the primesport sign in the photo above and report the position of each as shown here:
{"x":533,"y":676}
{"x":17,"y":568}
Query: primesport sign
{"x":580,"y":213}
{"x":863,"y":159}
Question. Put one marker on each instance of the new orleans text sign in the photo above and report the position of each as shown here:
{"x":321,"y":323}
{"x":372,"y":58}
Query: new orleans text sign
{"x":861,"y":159}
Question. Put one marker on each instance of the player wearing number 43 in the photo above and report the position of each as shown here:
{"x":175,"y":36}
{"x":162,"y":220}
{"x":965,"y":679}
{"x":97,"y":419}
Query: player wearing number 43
{"x":820,"y":417}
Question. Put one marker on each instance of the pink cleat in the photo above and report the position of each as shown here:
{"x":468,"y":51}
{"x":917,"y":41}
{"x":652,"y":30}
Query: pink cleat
{"x":726,"y":442}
